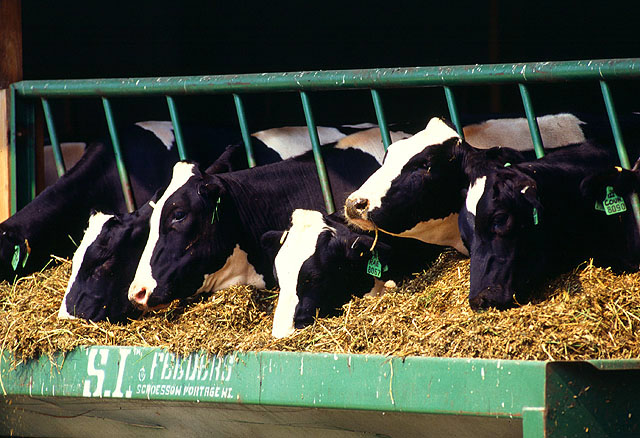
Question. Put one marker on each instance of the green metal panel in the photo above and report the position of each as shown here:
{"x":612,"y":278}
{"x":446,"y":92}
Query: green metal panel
{"x":453,"y":110}
{"x":339,"y":79}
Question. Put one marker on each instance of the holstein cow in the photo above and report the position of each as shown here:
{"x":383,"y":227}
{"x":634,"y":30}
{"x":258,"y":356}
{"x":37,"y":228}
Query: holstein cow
{"x":116,"y":243}
{"x":418,"y":191}
{"x":525,"y":222}
{"x":205,"y":230}
{"x":320,"y":263}
{"x":55,"y":218}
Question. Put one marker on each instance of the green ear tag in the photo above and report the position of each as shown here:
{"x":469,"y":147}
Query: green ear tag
{"x":16,"y":257}
{"x":535,"y":216}
{"x":613,"y":204}
{"x":599,"y":206}
{"x":374,"y":267}
{"x":507,"y":164}
{"x":216,"y":216}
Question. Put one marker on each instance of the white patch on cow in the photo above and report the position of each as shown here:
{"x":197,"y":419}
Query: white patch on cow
{"x":398,"y":154}
{"x":144,"y":278}
{"x":364,"y":125}
{"x":96,"y":222}
{"x":236,"y":270}
{"x":475,"y":192}
{"x":370,"y":142}
{"x":556,"y":130}
{"x":290,"y":141}
{"x":162,"y":130}
{"x":523,"y":191}
{"x":443,"y":232}
{"x":298,"y":247}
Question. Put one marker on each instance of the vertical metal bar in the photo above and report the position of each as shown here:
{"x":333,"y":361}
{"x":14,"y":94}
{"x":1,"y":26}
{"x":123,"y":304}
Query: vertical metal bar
{"x":22,"y":159}
{"x":53,"y":137}
{"x":382,"y":121}
{"x":13,"y":141}
{"x":622,"y":150}
{"x":533,"y":123}
{"x":315,"y":144}
{"x":453,"y":111}
{"x":122,"y":171}
{"x":244,"y":129}
{"x":177,"y":129}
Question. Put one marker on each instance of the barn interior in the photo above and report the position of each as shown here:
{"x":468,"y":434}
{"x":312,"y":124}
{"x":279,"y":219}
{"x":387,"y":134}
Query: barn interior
{"x":72,"y":40}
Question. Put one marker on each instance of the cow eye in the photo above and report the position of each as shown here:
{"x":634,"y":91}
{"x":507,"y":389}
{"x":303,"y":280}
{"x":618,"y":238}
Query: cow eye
{"x":500,"y":223}
{"x":179,"y":215}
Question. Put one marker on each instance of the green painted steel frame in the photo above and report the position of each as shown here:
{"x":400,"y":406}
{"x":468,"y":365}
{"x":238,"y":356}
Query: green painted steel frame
{"x":551,"y":399}
{"x":372,"y":79}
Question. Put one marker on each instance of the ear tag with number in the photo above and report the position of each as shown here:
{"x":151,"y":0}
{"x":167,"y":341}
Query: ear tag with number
{"x":216,"y":216}
{"x":613,"y":204}
{"x":16,"y":257}
{"x":374,"y":267}
{"x":536,"y":221}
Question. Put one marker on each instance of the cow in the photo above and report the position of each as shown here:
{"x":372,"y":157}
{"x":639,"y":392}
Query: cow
{"x":319,"y":263}
{"x":115,"y":243}
{"x":528,"y":221}
{"x":55,"y":219}
{"x":418,"y":191}
{"x":205,"y":229}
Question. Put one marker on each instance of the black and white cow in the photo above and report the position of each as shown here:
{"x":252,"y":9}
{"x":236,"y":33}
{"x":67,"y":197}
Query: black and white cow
{"x":55,"y":218}
{"x":94,"y":294}
{"x":525,"y":222}
{"x":320,"y":263}
{"x":205,"y":229}
{"x":418,"y":191}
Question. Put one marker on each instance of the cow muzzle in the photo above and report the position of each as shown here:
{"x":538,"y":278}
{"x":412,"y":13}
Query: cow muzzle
{"x":356,"y":210}
{"x":139,"y":297}
{"x":493,"y":296}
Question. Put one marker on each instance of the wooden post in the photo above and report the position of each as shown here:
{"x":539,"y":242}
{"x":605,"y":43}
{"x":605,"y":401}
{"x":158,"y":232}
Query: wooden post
{"x":10,"y":71}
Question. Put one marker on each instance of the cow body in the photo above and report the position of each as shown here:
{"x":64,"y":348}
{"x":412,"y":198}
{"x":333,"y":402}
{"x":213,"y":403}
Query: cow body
{"x":528,"y":221}
{"x":203,"y":222}
{"x":320,"y":263}
{"x":45,"y":225}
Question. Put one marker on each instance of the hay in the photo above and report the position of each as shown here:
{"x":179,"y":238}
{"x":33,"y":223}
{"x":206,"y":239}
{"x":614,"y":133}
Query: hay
{"x":589,"y":313}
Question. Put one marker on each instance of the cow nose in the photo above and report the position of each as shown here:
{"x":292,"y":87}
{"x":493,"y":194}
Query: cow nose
{"x":139,"y":298}
{"x":356,"y":208}
{"x":493,"y":296}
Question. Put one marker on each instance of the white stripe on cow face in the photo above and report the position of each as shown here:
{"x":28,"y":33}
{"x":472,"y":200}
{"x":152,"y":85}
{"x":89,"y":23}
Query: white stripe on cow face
{"x":476,"y":190}
{"x":236,"y":270}
{"x":290,"y":141}
{"x":398,"y":154}
{"x":162,"y":130}
{"x":144,"y":278}
{"x":96,"y":222}
{"x":299,"y":246}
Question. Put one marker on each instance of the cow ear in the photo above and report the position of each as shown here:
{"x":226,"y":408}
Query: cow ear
{"x":530,"y":194}
{"x":358,"y":247}
{"x":594,"y":187}
{"x":271,"y":242}
{"x":233,"y":158}
{"x":209,"y":189}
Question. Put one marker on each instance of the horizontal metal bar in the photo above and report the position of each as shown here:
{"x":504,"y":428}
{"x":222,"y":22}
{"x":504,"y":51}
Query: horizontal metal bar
{"x":477,"y":74}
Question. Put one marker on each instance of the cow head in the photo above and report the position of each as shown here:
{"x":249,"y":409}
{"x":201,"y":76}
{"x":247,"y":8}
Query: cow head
{"x":102,"y":269}
{"x":14,"y":254}
{"x":183,"y":244}
{"x":319,"y":265}
{"x":501,"y":222}
{"x":416,"y":192}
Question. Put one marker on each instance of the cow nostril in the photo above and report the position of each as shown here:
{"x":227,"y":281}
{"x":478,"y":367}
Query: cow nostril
{"x":140,"y":296}
{"x":357,"y":208}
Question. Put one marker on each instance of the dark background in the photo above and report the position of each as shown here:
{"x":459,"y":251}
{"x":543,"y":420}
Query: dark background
{"x":74,"y":39}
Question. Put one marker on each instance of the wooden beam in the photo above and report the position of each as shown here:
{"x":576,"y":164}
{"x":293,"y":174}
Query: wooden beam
{"x":10,"y":71}
{"x":10,"y":42}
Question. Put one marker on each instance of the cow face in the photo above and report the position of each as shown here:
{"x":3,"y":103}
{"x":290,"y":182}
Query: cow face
{"x":501,"y":223}
{"x":102,"y":269}
{"x":319,"y":266}
{"x":183,"y":239}
{"x":416,"y":192}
